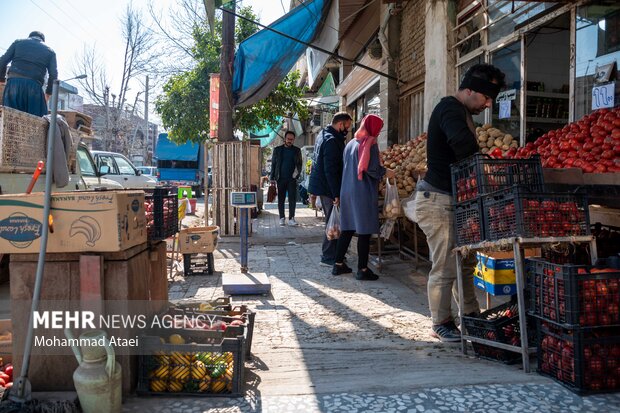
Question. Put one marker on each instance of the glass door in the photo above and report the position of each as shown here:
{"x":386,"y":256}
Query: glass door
{"x":505,"y":113}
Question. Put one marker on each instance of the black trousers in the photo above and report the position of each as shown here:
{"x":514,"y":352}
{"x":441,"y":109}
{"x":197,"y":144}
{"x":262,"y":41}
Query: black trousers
{"x":363,"y":248}
{"x":329,"y":246}
{"x":287,"y":186}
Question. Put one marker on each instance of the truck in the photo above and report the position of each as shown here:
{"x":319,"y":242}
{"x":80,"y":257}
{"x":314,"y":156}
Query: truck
{"x":180,"y":165}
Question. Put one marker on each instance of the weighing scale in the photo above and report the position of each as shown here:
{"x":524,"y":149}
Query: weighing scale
{"x":244,"y":282}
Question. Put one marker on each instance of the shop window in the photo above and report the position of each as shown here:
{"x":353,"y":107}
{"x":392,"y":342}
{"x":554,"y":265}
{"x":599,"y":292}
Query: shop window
{"x":411,"y":115}
{"x":469,"y":30}
{"x":505,"y":16}
{"x":597,"y":45}
{"x":508,"y":60}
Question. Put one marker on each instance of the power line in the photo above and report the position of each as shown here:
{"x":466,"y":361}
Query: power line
{"x":73,"y":20}
{"x":320,"y":49}
{"x":53,"y":18}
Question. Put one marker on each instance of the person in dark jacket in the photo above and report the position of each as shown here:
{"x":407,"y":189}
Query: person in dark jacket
{"x":285,"y":169}
{"x":326,"y":174}
{"x":31,"y":59}
{"x":451,"y":137}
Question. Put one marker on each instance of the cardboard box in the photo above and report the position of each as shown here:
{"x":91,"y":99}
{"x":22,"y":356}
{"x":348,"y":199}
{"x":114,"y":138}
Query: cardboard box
{"x":495,"y":271}
{"x":89,"y":221}
{"x":6,"y":340}
{"x":198,"y":240}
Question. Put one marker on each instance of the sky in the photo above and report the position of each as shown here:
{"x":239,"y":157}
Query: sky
{"x":69,"y":25}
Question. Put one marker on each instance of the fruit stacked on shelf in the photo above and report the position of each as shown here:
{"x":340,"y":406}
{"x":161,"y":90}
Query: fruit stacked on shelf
{"x":579,"y":329}
{"x":6,"y":375}
{"x":161,"y":210}
{"x":496,"y":143}
{"x":591,"y":144}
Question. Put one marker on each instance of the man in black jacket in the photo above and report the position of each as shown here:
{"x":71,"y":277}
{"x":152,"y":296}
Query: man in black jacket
{"x":285,"y":169}
{"x":30,"y":60}
{"x":326,"y":175}
{"x":451,"y":137}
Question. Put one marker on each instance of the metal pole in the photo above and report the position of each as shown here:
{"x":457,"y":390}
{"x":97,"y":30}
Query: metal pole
{"x":22,"y":382}
{"x":146,"y":121}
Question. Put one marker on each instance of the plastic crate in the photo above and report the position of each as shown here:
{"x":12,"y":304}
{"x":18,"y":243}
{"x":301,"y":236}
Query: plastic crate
{"x":198,"y":264}
{"x":517,"y":212}
{"x":162,"y":209}
{"x":499,"y":324}
{"x":480,"y":174}
{"x":583,"y":360}
{"x":573,"y":295}
{"x":227,"y":312}
{"x":212,"y":365}
{"x":469,"y":224}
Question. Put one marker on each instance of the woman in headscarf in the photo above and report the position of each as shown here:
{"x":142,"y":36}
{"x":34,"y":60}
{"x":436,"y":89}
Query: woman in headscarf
{"x":359,"y":209}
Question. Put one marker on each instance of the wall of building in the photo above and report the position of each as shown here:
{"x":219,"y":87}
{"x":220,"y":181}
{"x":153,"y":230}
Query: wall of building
{"x":411,"y":63}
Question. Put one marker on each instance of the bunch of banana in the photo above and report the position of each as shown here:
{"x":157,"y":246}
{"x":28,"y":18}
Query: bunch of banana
{"x":199,"y":370}
{"x":158,"y":385}
{"x":180,"y":359}
{"x":180,"y":373}
{"x":161,"y":372}
{"x":218,"y":386}
{"x":87,"y":226}
{"x":175,"y":386}
{"x":205,"y":357}
{"x":204,"y":385}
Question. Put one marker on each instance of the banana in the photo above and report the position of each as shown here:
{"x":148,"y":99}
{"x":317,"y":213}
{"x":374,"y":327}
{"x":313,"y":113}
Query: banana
{"x":218,"y":386}
{"x":158,"y":385}
{"x":199,"y":371}
{"x":180,"y":359}
{"x":203,"y":385}
{"x":160,"y":372}
{"x":175,"y":386}
{"x":87,"y":226}
{"x":180,"y":373}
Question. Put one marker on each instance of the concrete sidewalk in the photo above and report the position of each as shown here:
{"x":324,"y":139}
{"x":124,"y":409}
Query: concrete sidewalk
{"x":335,"y":344}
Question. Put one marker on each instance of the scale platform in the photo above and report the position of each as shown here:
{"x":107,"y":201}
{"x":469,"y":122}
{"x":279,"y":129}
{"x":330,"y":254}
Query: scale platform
{"x":246,"y":283}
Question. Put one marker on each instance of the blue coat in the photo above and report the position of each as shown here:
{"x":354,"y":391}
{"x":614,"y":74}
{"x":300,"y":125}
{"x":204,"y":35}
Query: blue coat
{"x":359,"y":209}
{"x":326,"y":175}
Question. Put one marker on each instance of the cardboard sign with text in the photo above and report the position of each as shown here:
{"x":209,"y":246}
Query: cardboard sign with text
{"x":106,"y":221}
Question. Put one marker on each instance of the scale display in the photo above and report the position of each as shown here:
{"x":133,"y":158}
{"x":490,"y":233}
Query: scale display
{"x":243,"y":199}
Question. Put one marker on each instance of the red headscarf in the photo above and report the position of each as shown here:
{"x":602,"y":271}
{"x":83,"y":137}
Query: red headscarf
{"x":366,"y":135}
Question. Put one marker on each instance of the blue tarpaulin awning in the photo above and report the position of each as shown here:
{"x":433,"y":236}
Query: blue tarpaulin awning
{"x":167,"y":150}
{"x":264,"y":59}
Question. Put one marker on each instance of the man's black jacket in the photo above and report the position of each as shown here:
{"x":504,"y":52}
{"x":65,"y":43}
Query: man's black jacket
{"x":326,"y":176}
{"x":276,"y":163}
{"x":30,"y":58}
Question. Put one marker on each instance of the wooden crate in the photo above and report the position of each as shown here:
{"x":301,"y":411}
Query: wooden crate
{"x":231,"y":172}
{"x":22,"y":140}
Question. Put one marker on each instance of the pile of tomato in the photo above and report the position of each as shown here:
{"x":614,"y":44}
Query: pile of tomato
{"x":591,"y":144}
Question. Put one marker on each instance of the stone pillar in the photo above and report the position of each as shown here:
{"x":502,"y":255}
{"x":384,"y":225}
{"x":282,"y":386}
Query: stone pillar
{"x":388,"y":88}
{"x":439,"y":58}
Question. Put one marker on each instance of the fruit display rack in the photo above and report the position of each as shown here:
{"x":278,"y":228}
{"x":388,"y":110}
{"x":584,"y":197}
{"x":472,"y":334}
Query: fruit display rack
{"x":518,"y":244}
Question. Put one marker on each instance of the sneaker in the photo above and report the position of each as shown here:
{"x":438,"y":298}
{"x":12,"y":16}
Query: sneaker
{"x":446,"y":332}
{"x":341,"y":269}
{"x":282,"y":222}
{"x":292,"y":222}
{"x":366,"y":275}
{"x":327,"y":262}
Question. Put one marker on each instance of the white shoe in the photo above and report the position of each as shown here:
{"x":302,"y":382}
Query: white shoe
{"x":282,"y":222}
{"x":292,"y":222}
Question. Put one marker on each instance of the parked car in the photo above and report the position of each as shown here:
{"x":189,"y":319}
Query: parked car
{"x":120,"y":169}
{"x":151,"y":171}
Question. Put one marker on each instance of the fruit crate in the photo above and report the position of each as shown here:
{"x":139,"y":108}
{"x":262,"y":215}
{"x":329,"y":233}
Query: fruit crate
{"x":161,"y":205}
{"x":480,"y":175}
{"x":212,"y":365}
{"x":198,"y":264}
{"x":468,"y":218}
{"x":583,"y":360}
{"x":517,"y":212}
{"x":574,"y":295}
{"x":500,"y":324}
{"x":226,"y":313}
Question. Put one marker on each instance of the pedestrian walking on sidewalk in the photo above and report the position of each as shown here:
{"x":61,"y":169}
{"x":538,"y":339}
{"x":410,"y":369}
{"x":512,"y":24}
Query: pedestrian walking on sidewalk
{"x":359,"y":206}
{"x":285,"y":169}
{"x":451,"y":137}
{"x":326,"y":174}
{"x":31,"y":59}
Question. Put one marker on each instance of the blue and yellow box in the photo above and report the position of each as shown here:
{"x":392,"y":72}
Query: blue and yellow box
{"x":495,"y":272}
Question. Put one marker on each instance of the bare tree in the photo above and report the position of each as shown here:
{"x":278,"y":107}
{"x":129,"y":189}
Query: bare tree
{"x":141,"y":56}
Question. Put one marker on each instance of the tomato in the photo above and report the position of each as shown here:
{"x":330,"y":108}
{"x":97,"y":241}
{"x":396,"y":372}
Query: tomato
{"x":587,"y":167}
{"x":608,"y":154}
{"x":565,"y":146}
{"x":600,"y":168}
{"x":587,"y":146}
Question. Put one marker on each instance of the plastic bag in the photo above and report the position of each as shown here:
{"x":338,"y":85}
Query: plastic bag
{"x":272,"y":192}
{"x":318,"y":204}
{"x":332,"y":230}
{"x":386,"y":229}
{"x":391,"y":208}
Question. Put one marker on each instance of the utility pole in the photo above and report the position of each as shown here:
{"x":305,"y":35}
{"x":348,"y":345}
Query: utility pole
{"x":146,"y":122}
{"x":225,"y":129}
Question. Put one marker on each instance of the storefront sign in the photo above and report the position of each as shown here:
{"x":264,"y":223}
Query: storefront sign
{"x":603,"y":96}
{"x":214,"y":109}
{"x":504,"y":109}
{"x":506,"y":95}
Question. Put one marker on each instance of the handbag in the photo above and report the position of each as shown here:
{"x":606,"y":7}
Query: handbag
{"x":272,"y":192}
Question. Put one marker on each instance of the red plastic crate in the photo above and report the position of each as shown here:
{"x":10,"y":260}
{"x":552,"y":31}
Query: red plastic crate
{"x":574,"y":295}
{"x":583,"y":360}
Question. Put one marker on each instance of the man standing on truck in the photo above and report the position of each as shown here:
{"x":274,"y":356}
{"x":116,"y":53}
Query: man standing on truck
{"x":285,"y":169}
{"x":30,"y":60}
